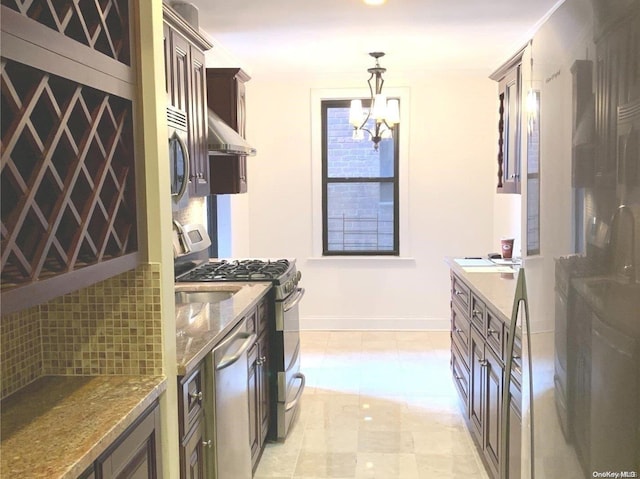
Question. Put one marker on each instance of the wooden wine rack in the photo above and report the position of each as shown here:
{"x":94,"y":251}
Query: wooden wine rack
{"x":67,"y":150}
{"x":99,"y":24}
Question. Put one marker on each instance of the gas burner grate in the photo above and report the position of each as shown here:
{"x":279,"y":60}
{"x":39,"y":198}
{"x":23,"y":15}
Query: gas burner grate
{"x":238,"y":270}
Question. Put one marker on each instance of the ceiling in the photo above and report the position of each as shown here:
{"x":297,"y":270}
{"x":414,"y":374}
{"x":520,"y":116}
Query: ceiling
{"x":336,"y":35}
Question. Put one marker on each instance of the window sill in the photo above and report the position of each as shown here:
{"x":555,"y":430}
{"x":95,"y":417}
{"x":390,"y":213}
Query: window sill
{"x":338,"y":258}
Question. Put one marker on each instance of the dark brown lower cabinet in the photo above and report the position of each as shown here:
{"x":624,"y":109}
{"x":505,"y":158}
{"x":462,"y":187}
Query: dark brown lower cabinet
{"x":194,"y":445}
{"x":514,"y":444}
{"x":477,"y":364}
{"x":136,"y":454}
{"x":493,"y":376}
{"x":192,"y":453}
{"x":254,"y":400}
{"x":259,"y":398}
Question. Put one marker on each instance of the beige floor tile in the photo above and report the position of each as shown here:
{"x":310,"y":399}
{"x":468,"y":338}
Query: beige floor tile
{"x":377,"y":404}
{"x":449,"y":466}
{"x":386,"y":466}
{"x":330,"y":440}
{"x":394,"y":442}
{"x":324,"y":465}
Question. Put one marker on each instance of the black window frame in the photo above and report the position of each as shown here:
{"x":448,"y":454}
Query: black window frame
{"x":326,"y":180}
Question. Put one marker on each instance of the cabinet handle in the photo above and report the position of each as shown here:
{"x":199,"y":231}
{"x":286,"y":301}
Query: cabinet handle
{"x":491,"y":331}
{"x":263,"y":359}
{"x":197,"y":395}
{"x":207,"y":443}
{"x":259,"y":362}
{"x":483,"y":362}
{"x":458,"y":293}
{"x":459,"y":378}
{"x":475,"y":312}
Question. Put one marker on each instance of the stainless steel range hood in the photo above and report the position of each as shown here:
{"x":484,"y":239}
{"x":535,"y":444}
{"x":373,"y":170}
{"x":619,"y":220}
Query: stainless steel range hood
{"x":224,"y":140}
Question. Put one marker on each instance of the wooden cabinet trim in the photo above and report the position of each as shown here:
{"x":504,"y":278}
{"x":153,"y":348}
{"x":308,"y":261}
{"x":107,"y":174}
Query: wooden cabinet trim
{"x":180,"y":24}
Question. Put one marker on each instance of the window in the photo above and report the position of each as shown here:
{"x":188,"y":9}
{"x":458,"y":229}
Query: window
{"x":359,"y":188}
{"x":533,"y":175}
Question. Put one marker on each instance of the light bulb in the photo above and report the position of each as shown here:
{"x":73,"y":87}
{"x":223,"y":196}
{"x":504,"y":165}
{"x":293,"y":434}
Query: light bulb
{"x":393,"y":112}
{"x":355,"y":113}
{"x":379,"y":109}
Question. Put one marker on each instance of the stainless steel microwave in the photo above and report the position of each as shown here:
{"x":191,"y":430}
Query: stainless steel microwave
{"x":178,"y":156}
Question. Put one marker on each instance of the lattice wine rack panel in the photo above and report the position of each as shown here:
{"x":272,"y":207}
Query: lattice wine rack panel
{"x":99,"y":24}
{"x":67,"y":175}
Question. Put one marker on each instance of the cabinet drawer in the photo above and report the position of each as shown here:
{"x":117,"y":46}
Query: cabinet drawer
{"x":478,"y":313}
{"x":460,"y":292}
{"x":460,"y":331}
{"x":191,"y":397}
{"x":495,"y":333}
{"x":460,"y":375}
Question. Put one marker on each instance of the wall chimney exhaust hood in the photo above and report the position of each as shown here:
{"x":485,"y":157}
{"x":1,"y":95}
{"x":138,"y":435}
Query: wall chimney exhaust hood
{"x":224,"y":140}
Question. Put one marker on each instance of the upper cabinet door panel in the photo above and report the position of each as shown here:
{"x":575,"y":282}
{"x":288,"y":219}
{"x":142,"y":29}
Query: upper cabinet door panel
{"x":187,"y":91}
{"x":509,"y":81}
{"x":180,"y":72}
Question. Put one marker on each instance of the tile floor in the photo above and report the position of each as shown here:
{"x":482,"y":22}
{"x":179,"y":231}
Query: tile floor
{"x":376,"y":405}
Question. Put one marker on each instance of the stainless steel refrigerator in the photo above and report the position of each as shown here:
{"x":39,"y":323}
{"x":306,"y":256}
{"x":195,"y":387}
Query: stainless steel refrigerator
{"x":580,"y":310}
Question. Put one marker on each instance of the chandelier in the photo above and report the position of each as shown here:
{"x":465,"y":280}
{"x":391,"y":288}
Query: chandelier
{"x":385,"y":113}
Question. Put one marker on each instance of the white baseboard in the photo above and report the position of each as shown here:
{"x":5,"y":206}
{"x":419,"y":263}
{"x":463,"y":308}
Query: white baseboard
{"x":374,"y":324}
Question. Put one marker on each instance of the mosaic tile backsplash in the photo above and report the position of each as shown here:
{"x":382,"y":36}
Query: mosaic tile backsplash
{"x":110,"y":328}
{"x":20,"y":350}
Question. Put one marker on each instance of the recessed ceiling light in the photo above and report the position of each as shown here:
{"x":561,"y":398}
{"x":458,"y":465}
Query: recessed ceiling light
{"x":374,"y":2}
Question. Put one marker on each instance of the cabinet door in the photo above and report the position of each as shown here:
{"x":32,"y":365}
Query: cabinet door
{"x":180,"y":72}
{"x":514,"y":444}
{"x":263,"y":386}
{"x":477,"y":365}
{"x":136,"y":455}
{"x":509,"y":132}
{"x":193,"y":453}
{"x":254,"y":404}
{"x":166,"y":37}
{"x":198,"y":124}
{"x":492,"y":418}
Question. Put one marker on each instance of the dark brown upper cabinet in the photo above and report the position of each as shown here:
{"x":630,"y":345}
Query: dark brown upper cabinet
{"x":68,"y":151}
{"x":226,"y":96}
{"x":509,"y":78}
{"x":186,"y":88}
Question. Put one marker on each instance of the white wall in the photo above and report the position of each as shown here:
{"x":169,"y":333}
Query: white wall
{"x":451,"y":162}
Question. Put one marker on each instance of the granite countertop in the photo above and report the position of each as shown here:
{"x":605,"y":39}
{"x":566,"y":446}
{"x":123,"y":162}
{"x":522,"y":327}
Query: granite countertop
{"x":201,"y":325}
{"x":492,"y":286}
{"x":58,"y":425}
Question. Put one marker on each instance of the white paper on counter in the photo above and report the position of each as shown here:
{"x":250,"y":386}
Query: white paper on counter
{"x":486,"y":269}
{"x":474,"y":262}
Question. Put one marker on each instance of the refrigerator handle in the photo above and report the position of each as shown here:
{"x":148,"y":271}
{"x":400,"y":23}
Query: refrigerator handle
{"x":519,"y":300}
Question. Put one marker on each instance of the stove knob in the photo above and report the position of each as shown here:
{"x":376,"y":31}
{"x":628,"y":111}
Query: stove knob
{"x":298,"y":276}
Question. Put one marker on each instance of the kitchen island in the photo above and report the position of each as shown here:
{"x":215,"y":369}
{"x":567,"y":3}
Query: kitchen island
{"x":482,"y":297}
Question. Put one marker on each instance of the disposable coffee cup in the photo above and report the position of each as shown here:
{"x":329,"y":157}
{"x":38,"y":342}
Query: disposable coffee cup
{"x":506,"y":246}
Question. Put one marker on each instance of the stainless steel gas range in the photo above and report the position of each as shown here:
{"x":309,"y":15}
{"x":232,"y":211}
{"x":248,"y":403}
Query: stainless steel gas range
{"x":287,"y":382}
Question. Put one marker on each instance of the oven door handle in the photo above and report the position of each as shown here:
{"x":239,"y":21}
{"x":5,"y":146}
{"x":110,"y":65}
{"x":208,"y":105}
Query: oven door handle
{"x":249,"y":340}
{"x":291,"y":404}
{"x":297,"y":296}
